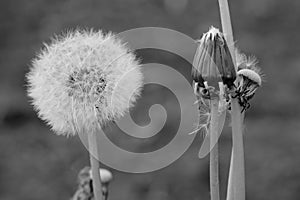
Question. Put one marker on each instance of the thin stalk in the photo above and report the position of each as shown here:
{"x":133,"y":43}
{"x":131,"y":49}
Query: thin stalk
{"x":97,"y":187}
{"x":238,"y":161}
{"x":214,"y":153}
{"x":236,"y":179}
{"x":227,"y":27}
{"x":230,"y":186}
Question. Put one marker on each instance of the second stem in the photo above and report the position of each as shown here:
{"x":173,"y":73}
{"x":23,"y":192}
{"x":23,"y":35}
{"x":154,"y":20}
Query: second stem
{"x":95,"y":166}
{"x":214,"y":153}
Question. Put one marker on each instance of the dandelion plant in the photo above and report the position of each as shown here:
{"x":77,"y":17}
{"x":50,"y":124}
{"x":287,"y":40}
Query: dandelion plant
{"x":213,"y":72}
{"x":77,"y":85}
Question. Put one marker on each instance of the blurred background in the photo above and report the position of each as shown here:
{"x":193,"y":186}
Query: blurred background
{"x":36,"y":164}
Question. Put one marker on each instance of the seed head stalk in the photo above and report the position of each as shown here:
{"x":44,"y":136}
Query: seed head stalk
{"x":95,"y":166}
{"x":236,"y":180}
{"x":73,"y":82}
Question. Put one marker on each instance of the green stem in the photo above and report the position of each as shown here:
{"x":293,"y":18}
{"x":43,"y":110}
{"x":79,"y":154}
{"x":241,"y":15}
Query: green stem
{"x":238,"y":161}
{"x":230,"y":186}
{"x":227,"y":27}
{"x":214,"y":153}
{"x":97,"y":187}
{"x":236,"y":179}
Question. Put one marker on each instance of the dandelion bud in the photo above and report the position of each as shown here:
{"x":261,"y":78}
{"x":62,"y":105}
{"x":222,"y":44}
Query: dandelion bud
{"x":106,"y":176}
{"x":82,"y":80}
{"x":213,"y":61}
{"x":85,"y":188}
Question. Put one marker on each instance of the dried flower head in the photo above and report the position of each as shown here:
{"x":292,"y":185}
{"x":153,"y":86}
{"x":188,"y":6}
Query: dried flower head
{"x":85,"y":189}
{"x":82,"y":80}
{"x":213,"y":61}
{"x":249,"y":78}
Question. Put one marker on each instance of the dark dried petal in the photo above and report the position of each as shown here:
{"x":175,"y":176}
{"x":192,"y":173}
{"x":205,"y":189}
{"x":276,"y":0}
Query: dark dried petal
{"x":226,"y":68}
{"x":196,"y":70}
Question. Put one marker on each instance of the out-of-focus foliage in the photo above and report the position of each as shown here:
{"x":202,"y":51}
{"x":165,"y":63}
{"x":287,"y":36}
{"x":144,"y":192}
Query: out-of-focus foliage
{"x":36,"y":164}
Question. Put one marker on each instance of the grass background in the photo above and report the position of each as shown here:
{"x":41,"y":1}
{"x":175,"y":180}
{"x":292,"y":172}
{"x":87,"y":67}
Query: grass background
{"x":36,"y":164}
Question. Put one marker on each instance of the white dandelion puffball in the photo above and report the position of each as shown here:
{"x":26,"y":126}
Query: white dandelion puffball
{"x":82,"y":80}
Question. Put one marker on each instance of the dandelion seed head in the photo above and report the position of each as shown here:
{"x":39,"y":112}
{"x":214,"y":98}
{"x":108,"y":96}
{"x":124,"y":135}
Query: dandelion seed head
{"x":82,"y":80}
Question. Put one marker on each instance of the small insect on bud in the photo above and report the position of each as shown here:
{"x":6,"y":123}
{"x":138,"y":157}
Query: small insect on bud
{"x":247,"y":82}
{"x":213,"y":62}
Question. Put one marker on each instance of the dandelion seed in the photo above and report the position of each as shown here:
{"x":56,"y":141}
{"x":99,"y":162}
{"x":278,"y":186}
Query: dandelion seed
{"x":74,"y":80}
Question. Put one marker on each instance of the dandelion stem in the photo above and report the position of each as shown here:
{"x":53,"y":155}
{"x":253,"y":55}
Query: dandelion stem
{"x":214,"y":153}
{"x":227,"y":27}
{"x":236,"y":180}
{"x":97,"y":187}
{"x":230,"y":186}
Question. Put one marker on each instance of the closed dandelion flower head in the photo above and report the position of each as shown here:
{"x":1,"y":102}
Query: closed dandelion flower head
{"x":212,"y":61}
{"x":82,"y":80}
